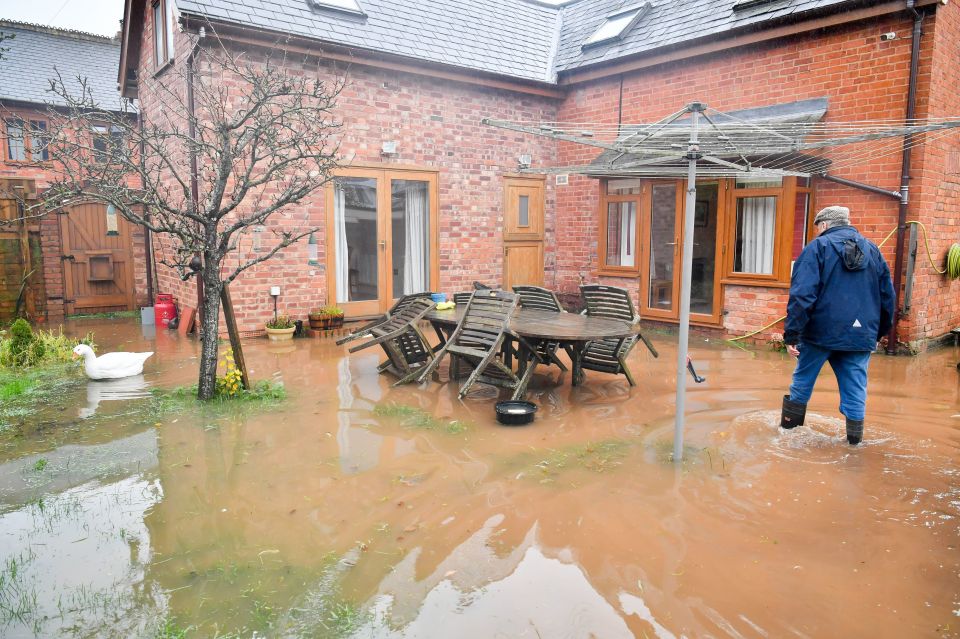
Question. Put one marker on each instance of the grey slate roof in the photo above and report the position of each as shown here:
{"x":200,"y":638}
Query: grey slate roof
{"x":669,"y":22}
{"x":26,"y":69}
{"x":506,"y":37}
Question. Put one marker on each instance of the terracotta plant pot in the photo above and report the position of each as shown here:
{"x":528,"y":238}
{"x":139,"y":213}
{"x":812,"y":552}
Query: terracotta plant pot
{"x":280,"y":334}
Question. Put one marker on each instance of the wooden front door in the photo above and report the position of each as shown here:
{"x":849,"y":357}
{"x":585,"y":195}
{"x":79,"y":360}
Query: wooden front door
{"x":97,"y":260}
{"x":523,"y":232}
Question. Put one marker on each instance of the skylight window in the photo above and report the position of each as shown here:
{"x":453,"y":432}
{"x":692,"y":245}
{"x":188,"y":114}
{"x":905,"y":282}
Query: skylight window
{"x":350,"y":6}
{"x":617,"y":24}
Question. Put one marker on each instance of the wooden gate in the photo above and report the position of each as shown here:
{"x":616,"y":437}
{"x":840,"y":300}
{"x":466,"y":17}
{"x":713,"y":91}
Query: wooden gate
{"x":97,"y":260}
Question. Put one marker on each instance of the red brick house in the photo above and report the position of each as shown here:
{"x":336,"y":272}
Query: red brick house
{"x":85,"y":259}
{"x":433,"y":199}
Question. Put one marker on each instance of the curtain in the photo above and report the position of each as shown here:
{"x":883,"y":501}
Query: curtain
{"x":758,"y":217}
{"x":415,"y":259}
{"x":340,"y":244}
{"x":628,"y":231}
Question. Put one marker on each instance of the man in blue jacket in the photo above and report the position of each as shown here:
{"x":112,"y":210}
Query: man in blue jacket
{"x":841,"y":304}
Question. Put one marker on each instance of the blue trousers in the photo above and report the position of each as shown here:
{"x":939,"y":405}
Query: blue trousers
{"x":850,"y":368}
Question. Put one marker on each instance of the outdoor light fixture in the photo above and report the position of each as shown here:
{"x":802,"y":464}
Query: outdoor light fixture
{"x":389,"y":147}
{"x":525,"y":161}
{"x":275,"y":293}
{"x":312,"y":251}
{"x":888,"y":36}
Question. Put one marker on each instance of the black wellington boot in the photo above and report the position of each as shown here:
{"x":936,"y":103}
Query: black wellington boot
{"x":793,"y":413}
{"x":854,"y":431}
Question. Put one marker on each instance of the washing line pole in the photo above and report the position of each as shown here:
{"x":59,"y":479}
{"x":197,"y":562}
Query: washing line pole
{"x":693,"y":154}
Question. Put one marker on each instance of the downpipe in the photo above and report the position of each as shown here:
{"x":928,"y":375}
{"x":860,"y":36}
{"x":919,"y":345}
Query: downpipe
{"x":893,"y":335}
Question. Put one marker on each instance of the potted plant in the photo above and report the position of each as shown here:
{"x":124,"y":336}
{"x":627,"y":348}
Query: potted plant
{"x":280,"y":328}
{"x":319,"y":319}
{"x":336,"y":316}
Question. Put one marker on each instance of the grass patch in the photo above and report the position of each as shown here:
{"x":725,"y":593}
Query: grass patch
{"x":18,"y":600}
{"x":263,"y":393}
{"x":169,"y":629}
{"x":597,"y":457}
{"x":21,"y":347}
{"x":26,"y":392}
{"x":112,"y":315}
{"x":411,"y":417}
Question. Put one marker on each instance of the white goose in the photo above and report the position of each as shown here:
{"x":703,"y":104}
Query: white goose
{"x":110,"y":365}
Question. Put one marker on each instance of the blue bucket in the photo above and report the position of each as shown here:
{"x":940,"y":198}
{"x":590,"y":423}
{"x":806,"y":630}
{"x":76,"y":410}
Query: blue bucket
{"x":438,"y":297}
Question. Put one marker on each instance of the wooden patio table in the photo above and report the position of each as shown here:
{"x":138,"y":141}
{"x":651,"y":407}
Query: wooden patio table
{"x":572,"y":331}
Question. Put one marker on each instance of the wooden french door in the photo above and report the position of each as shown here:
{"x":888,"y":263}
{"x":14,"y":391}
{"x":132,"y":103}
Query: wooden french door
{"x":97,"y":258}
{"x":381,"y":238}
{"x":523,"y":231}
{"x":662,"y":230}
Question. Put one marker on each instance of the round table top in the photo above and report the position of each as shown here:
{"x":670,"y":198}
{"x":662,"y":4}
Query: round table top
{"x":547,"y":325}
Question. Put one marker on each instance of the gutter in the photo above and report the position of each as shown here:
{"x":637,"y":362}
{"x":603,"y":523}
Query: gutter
{"x":893,"y":336}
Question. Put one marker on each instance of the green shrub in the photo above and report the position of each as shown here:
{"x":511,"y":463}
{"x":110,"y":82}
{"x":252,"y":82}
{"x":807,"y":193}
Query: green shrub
{"x":24,"y":348}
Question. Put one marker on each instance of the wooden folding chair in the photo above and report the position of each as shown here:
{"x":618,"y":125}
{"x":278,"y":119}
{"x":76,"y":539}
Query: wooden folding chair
{"x":542,"y":299}
{"x":610,"y":355}
{"x":364,"y":330}
{"x":477,"y":341}
{"x":462,"y":297}
{"x":401,"y":339}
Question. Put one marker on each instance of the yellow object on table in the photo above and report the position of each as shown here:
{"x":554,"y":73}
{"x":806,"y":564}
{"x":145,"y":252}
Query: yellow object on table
{"x":446,"y":306}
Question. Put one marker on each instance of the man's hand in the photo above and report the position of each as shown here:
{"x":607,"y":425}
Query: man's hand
{"x":793,"y":350}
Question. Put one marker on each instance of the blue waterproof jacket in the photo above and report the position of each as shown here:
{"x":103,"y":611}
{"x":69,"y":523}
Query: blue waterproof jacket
{"x":841,"y":296}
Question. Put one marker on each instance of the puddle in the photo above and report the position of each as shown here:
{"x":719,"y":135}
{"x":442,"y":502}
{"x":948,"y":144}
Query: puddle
{"x":355,"y":509}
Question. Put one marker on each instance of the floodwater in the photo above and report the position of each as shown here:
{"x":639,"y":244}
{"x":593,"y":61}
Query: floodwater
{"x":357,"y":509}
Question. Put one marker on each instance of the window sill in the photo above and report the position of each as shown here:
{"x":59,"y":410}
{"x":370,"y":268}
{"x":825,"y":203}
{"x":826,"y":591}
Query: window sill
{"x":163,"y":68}
{"x":607,"y":272}
{"x":757,"y":283}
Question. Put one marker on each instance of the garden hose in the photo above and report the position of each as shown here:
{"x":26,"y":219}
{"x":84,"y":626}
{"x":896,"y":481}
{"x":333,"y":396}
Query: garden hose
{"x":952,"y":271}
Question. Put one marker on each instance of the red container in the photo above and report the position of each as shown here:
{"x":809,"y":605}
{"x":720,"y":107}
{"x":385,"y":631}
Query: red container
{"x":164,"y":309}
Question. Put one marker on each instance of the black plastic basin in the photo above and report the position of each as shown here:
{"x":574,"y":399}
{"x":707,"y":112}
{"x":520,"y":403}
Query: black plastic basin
{"x":515,"y":413}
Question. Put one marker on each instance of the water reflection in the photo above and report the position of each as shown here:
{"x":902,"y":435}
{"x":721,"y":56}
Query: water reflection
{"x":125,"y":389}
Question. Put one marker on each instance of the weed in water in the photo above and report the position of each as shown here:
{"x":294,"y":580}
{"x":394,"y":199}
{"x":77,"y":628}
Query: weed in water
{"x":411,"y":417}
{"x":343,"y":619}
{"x":170,"y":630}
{"x":597,"y":457}
{"x":18,"y":600}
{"x":40,"y":464}
{"x":263,"y":613}
{"x":164,"y":402}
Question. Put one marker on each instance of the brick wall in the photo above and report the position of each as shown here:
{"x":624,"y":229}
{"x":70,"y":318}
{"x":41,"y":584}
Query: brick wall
{"x":863,"y":77}
{"x":436,"y":125}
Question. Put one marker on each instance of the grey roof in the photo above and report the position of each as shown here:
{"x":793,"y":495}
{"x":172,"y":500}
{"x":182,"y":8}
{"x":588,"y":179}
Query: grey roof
{"x":26,"y":69}
{"x":669,"y":22}
{"x":507,"y":37}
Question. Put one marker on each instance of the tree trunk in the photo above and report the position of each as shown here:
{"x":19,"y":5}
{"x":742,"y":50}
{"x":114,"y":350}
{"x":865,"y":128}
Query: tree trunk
{"x":209,"y":328}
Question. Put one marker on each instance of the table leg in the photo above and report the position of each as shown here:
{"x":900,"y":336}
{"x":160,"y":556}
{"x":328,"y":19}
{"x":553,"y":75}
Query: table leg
{"x":526,"y":363}
{"x":438,"y":329}
{"x":576,"y":353}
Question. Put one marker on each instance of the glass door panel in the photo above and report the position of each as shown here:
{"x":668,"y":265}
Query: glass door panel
{"x":661,"y":249}
{"x":703,"y":280}
{"x":621,"y":231}
{"x":410,"y":236}
{"x":355,"y":240}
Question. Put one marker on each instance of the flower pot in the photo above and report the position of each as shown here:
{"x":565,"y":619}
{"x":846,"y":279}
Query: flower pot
{"x":319,"y":322}
{"x":336,"y":321}
{"x":280,"y":334}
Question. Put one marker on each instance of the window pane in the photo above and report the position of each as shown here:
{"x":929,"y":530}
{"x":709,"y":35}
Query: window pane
{"x":355,"y":239}
{"x":801,"y":216}
{"x":15,"y":148}
{"x":524,"y":212}
{"x":621,"y":234}
{"x":410,"y":217}
{"x":623,"y":187}
{"x":613,"y":27}
{"x":756,"y":233}
{"x":158,"y":30}
{"x":759,"y":183}
{"x":704,"y":248}
{"x":663,"y":225}
{"x":169,"y":28}
{"x":38,"y":140}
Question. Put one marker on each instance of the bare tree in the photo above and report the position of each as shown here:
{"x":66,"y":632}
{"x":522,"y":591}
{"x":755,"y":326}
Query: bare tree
{"x":222,"y":150}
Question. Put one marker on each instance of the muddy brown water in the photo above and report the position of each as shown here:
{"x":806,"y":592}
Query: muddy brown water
{"x":328,"y":516}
